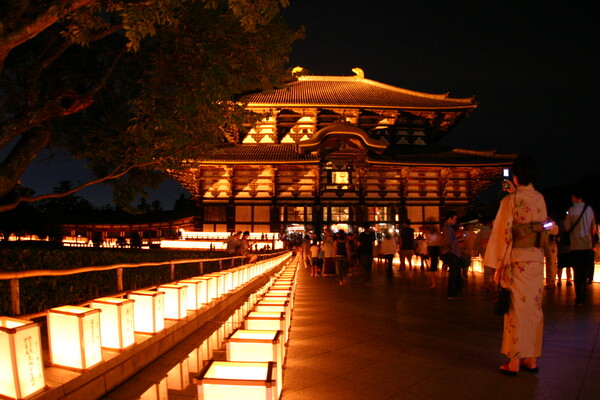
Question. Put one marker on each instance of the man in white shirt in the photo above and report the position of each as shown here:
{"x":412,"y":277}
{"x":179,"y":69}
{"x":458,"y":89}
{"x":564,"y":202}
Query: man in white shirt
{"x":582,"y":254}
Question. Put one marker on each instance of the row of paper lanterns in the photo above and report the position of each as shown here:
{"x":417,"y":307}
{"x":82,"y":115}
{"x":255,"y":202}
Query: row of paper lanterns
{"x":255,"y":355}
{"x":77,"y":334}
{"x":255,"y":336}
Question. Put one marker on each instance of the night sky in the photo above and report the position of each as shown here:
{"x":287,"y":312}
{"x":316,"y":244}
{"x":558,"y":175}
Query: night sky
{"x":533,"y":66}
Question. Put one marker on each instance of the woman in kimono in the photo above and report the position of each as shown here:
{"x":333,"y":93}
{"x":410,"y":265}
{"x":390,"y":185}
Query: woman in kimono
{"x":515,"y":251}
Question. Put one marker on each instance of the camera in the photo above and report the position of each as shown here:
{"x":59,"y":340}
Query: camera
{"x":506,"y":181}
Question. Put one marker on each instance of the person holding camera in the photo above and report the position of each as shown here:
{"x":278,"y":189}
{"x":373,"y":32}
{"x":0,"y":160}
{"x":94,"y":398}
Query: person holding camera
{"x":515,"y":251}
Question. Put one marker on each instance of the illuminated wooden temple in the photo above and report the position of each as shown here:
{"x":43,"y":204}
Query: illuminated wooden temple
{"x":339,"y":151}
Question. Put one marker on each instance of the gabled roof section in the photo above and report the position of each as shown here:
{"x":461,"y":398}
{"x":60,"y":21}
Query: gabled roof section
{"x":352,"y":91}
{"x":256,"y":154}
{"x":345,"y":132}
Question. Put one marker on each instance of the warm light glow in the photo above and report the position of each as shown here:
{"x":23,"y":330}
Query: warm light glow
{"x":74,"y":336}
{"x":196,"y":293}
{"x":237,"y":380}
{"x":116,"y":322}
{"x":267,"y":321}
{"x":248,"y":345}
{"x":148,"y":311}
{"x":175,"y":300}
{"x":21,"y":362}
{"x":178,"y":378}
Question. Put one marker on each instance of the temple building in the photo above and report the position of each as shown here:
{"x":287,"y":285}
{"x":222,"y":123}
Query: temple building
{"x":338,"y":152}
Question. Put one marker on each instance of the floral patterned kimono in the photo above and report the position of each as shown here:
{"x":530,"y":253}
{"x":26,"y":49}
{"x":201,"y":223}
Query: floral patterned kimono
{"x":522,"y":272}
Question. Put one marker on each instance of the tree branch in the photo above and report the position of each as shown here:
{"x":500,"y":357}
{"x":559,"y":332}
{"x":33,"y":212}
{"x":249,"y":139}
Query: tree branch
{"x":34,"y":27}
{"x":113,"y":175}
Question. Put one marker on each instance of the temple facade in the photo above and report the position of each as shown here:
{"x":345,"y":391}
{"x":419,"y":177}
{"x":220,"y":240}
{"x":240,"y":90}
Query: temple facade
{"x":338,"y":152}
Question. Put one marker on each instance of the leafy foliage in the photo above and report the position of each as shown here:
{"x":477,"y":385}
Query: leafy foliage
{"x":132,"y":87}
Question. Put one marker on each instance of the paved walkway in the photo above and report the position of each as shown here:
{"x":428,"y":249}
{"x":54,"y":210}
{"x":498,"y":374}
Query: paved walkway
{"x":398,"y":339}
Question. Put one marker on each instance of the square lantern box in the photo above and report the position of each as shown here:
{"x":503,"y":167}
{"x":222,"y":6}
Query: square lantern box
{"x":219,"y":284}
{"x":210,"y":283}
{"x":175,"y":300}
{"x":156,"y":391}
{"x":248,"y":345}
{"x":196,"y":293}
{"x":148,"y":311}
{"x":178,"y":378}
{"x":237,"y":380}
{"x":116,"y":322}
{"x":276,"y":306}
{"x":228,"y":277}
{"x":21,"y":362}
{"x":287,"y":293}
{"x":267,"y":321}
{"x":74,"y":336}
{"x":275,"y":296}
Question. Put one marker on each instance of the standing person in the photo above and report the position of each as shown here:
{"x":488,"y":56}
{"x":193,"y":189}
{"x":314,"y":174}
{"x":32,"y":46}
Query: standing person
{"x":342,"y":256}
{"x":388,"y":250}
{"x":581,"y":225}
{"x":515,"y":251}
{"x":365,"y":252}
{"x":315,"y":261}
{"x":564,"y":255}
{"x":452,"y":256}
{"x":481,"y":242}
{"x":407,"y":246}
{"x":233,"y":242}
{"x":306,"y":243}
{"x":434,"y":242}
{"x":467,"y":249}
{"x":421,"y":250}
{"x":328,"y":254}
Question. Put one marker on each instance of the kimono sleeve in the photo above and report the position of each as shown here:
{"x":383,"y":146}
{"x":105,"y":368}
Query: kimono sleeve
{"x":497,"y":253}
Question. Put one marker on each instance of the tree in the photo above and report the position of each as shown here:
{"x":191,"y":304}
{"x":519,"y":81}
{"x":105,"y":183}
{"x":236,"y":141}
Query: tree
{"x":133,"y":87}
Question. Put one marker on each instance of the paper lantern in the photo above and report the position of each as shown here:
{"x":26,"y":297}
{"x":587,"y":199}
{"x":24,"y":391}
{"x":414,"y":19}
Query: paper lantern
{"x":196,"y":293}
{"x":116,"y":322}
{"x":175,"y":300}
{"x":237,"y":380}
{"x":218,"y":282}
{"x":276,"y":306}
{"x":21,"y":362}
{"x":210,"y":283}
{"x":178,"y":378}
{"x":283,"y":292}
{"x":275,"y":296}
{"x":74,"y":336}
{"x":249,"y":345}
{"x":148,"y":311}
{"x":267,"y":321}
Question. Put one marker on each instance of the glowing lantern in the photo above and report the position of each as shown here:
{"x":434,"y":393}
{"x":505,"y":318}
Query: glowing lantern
{"x":116,"y":322}
{"x":283,"y":292}
{"x":148,"y":311}
{"x":276,"y":306}
{"x":248,"y":345}
{"x":267,"y":321}
{"x":275,"y":296}
{"x":21,"y":362}
{"x":74,"y":336}
{"x":175,"y":300}
{"x":237,"y":380}
{"x":178,"y":378}
{"x":219,"y":282}
{"x":196,"y":293}
{"x":210,"y":283}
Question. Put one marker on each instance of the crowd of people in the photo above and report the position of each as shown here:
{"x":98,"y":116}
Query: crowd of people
{"x":518,"y":247}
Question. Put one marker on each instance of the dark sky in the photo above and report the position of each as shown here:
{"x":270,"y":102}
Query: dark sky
{"x":532,"y":65}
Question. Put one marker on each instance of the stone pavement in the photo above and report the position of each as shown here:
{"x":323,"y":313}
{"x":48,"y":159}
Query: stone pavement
{"x":398,"y":339}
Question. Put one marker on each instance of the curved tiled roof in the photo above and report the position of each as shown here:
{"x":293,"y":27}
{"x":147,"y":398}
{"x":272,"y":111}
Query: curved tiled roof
{"x":352,"y":91}
{"x":257,"y":154}
{"x":248,"y":154}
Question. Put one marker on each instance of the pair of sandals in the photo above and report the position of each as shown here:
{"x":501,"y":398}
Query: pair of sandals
{"x":522,"y":367}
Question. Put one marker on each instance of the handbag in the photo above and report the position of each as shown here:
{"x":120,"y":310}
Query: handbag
{"x":501,"y":301}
